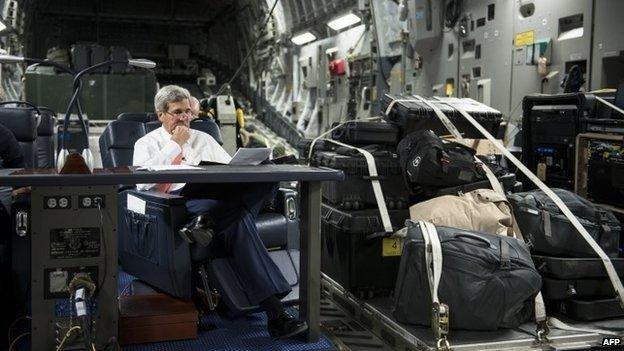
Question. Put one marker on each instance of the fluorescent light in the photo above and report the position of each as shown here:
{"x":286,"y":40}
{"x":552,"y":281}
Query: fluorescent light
{"x":343,"y":21}
{"x":303,"y":38}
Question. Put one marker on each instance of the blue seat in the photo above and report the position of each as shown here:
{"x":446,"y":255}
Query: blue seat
{"x":151,"y":249}
{"x":22,"y":121}
{"x":45,"y":138}
{"x":142,"y":117}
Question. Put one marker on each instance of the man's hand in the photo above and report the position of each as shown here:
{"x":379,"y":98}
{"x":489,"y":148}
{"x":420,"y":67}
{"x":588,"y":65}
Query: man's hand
{"x":181,"y":135}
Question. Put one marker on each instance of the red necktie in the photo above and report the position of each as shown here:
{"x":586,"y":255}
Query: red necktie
{"x":164,"y":187}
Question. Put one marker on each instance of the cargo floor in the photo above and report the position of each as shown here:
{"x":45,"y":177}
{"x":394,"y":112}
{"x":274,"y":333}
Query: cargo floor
{"x":376,"y":314}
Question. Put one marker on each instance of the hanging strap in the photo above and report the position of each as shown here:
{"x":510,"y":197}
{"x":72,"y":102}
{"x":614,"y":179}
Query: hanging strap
{"x":433,"y":259}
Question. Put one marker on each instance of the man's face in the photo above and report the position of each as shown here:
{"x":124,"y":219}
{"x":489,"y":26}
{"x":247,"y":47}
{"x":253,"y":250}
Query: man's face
{"x":178,"y":114}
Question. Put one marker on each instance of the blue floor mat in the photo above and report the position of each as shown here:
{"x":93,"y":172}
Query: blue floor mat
{"x":237,"y":334}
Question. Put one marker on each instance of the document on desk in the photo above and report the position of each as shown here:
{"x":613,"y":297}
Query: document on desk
{"x":250,"y":156}
{"x":168,"y":168}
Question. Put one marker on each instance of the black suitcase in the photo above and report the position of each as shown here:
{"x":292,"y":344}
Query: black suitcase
{"x":575,"y":268}
{"x":549,"y":232}
{"x":556,"y":289}
{"x":366,"y":133}
{"x":121,"y":54}
{"x":488,"y":281}
{"x":356,"y":191}
{"x":415,"y":115}
{"x":99,"y":54}
{"x":303,"y":147}
{"x":360,"y":265}
{"x":587,"y":310}
{"x":80,"y":56}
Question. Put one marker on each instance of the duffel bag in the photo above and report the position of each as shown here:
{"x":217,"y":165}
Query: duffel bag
{"x":427,"y":161}
{"x":483,"y":210}
{"x":549,"y":232}
{"x":484,"y":281}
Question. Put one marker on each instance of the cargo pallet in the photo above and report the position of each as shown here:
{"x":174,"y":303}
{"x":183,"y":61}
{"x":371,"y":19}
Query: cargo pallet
{"x":376,"y":315}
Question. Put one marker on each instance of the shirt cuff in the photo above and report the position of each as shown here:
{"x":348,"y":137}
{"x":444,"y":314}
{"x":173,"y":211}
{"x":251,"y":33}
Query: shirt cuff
{"x":171,"y":150}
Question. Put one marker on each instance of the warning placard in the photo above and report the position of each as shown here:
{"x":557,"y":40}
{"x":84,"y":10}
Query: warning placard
{"x":525,"y":38}
{"x":391,"y":247}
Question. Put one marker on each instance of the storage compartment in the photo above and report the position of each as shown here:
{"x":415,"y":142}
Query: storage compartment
{"x":356,"y":191}
{"x":366,"y":267}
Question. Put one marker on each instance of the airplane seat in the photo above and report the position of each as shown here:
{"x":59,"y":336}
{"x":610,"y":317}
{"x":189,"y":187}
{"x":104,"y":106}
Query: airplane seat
{"x":117,"y":142}
{"x":22,"y":121}
{"x":45,"y":138}
{"x":152,"y":126}
{"x":151,"y":249}
{"x":209,"y":127}
{"x":142,"y":117}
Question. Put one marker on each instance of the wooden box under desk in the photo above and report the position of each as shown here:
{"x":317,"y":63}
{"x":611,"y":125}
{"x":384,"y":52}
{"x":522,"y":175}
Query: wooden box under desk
{"x":156,"y":317}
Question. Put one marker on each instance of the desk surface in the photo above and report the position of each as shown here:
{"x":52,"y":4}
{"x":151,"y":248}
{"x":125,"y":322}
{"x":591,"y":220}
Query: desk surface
{"x":207,"y":174}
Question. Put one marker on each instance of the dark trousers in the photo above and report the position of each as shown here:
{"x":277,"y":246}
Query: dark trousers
{"x":236,"y":236}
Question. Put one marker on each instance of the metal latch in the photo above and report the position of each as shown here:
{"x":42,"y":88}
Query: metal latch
{"x":291,"y":208}
{"x":440,"y":324}
{"x":21,"y":223}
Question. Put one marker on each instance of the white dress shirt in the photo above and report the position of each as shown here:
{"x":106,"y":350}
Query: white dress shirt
{"x":157,"y":148}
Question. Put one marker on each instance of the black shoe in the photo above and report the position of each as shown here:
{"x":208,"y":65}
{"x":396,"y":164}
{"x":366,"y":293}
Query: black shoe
{"x":199,"y":230}
{"x":285,"y":326}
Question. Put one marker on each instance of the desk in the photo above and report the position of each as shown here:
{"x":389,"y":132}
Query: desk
{"x":310,"y":215}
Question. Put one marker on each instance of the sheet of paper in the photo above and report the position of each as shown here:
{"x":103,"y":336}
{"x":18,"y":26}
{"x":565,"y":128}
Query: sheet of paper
{"x":250,"y":156}
{"x":168,"y":168}
{"x":136,"y":204}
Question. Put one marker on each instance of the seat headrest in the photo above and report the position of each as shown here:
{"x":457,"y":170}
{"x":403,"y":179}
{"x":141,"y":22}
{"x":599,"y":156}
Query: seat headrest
{"x":123,"y":134}
{"x":142,"y":117}
{"x":209,"y":127}
{"x":21,"y":121}
{"x":152,"y":126}
{"x":46,"y":126}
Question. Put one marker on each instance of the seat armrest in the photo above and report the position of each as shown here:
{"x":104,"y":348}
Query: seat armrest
{"x":159,"y":197}
{"x":287,"y":203}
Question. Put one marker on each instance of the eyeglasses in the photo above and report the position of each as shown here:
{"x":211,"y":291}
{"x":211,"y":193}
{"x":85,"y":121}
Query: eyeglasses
{"x":180,"y":113}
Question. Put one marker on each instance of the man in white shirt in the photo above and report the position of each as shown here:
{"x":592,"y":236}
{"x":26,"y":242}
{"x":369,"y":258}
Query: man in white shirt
{"x":232,"y":228}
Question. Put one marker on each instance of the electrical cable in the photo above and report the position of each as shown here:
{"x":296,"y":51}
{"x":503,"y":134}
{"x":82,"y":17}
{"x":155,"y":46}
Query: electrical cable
{"x":250,"y":51}
{"x":17,"y":339}
{"x":12,"y":325}
{"x":67,"y":335}
{"x":105,"y":253}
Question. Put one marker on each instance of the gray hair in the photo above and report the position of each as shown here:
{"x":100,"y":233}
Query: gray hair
{"x":168,"y":94}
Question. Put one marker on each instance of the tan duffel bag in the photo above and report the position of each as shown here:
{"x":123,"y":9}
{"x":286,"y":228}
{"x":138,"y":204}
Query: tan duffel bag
{"x":482,"y":210}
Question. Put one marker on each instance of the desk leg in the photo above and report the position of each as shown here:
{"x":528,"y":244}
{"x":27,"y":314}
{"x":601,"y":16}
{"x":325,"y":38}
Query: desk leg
{"x":310,"y":282}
